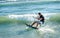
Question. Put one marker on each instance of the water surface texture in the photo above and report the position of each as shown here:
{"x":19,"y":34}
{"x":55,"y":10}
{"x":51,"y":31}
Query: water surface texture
{"x":13,"y":15}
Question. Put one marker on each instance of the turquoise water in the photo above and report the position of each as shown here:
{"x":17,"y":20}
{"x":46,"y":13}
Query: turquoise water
{"x":13,"y":15}
{"x":29,"y":7}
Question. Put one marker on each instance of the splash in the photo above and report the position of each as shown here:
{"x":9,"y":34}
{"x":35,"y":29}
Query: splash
{"x":46,"y":30}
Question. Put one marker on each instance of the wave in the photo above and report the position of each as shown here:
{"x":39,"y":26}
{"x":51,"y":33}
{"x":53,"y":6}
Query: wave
{"x":23,"y":18}
{"x":7,"y":20}
{"x":55,"y":18}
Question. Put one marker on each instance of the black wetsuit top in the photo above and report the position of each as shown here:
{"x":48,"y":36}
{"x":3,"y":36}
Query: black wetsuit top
{"x":42,"y":18}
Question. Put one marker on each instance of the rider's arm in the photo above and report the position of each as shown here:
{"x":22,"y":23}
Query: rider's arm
{"x":40,"y":18}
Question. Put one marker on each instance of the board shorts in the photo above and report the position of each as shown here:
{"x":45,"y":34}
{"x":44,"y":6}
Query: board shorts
{"x":39,"y":22}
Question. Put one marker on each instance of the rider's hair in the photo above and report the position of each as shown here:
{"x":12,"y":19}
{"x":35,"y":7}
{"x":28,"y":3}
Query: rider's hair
{"x":39,"y":13}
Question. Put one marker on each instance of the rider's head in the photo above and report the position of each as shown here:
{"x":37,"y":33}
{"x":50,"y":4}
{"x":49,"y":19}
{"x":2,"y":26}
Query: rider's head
{"x":39,"y":13}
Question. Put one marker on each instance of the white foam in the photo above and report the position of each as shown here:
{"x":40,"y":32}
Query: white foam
{"x":46,"y":29}
{"x":29,"y":15}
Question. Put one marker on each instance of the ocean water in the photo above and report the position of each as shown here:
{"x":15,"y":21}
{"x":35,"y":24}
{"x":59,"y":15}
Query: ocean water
{"x":29,"y":7}
{"x":13,"y":15}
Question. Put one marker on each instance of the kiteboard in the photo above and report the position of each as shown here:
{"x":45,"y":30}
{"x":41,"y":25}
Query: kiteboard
{"x":30,"y":26}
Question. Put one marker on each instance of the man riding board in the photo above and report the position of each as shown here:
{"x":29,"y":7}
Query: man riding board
{"x":40,"y":21}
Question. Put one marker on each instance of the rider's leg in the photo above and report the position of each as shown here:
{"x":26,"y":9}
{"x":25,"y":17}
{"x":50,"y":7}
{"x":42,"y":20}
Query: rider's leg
{"x":36,"y":25}
{"x":33,"y":23}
